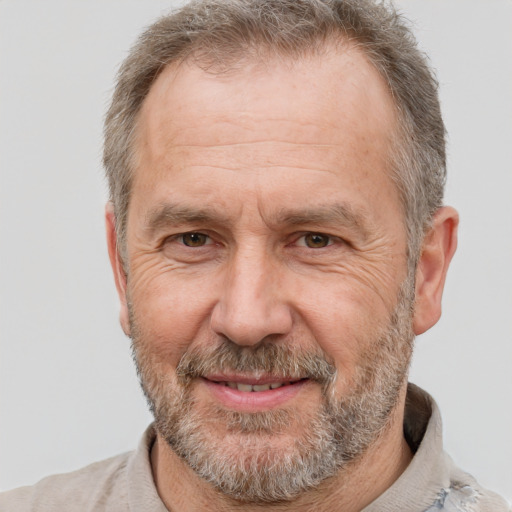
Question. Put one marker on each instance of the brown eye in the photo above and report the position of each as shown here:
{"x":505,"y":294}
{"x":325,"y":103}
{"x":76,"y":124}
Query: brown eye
{"x":194,"y":239}
{"x":316,"y":240}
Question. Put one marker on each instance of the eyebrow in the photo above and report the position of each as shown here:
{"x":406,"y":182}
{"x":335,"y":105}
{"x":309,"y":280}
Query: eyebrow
{"x":175,"y":215}
{"x":336,"y":214}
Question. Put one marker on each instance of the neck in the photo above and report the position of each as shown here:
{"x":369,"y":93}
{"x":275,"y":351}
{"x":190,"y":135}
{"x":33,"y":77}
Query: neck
{"x":350,"y":490}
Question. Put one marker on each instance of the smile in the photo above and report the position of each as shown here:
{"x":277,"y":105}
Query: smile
{"x":253,"y":394}
{"x":240,"y":386}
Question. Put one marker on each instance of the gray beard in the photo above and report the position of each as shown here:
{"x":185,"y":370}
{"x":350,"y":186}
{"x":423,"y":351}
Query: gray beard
{"x":250,"y":468}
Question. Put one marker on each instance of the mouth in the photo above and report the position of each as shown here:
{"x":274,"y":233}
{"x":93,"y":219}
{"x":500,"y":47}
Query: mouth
{"x":256,"y":388}
{"x":252,"y":394}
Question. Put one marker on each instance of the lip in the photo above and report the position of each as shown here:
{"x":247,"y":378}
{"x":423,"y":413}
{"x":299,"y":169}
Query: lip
{"x":251,"y":401}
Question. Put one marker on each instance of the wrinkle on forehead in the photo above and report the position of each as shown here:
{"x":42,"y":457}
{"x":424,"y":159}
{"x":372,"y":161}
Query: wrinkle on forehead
{"x":262,"y":158}
{"x":320,"y":125}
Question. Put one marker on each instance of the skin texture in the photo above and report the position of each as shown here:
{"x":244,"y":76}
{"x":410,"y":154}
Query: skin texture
{"x":258,"y":161}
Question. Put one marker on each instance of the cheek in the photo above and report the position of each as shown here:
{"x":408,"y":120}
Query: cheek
{"x":344,"y":320}
{"x":170,"y":313}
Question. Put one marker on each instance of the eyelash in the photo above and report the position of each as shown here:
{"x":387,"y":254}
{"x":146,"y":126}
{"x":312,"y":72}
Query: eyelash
{"x":202,"y":236}
{"x":326,"y":240}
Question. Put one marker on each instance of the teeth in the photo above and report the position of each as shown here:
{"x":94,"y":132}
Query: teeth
{"x":255,"y":387}
{"x":244,"y":387}
{"x":261,"y":387}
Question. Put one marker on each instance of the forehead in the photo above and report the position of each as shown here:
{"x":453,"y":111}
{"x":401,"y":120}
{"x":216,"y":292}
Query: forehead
{"x":338,"y":91}
{"x":320,"y":115}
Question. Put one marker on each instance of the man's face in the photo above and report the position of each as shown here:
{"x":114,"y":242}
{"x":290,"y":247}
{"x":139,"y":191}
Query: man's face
{"x":267,"y":283}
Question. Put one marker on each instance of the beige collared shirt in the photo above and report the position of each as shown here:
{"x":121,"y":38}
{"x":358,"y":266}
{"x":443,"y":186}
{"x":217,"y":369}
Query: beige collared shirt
{"x":125,"y":483}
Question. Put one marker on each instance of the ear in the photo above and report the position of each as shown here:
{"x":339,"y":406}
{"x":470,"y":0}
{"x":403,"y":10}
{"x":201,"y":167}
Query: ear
{"x":438,"y":249}
{"x":117,"y":266}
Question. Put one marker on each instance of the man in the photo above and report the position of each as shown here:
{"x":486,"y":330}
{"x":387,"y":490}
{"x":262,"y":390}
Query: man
{"x":278,"y":238}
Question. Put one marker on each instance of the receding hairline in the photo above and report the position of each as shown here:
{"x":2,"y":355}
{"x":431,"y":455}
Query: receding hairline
{"x":258,"y":63}
{"x":221,"y":31}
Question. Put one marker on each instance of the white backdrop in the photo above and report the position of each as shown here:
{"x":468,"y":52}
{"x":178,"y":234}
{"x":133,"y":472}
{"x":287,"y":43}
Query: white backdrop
{"x":68,"y":391}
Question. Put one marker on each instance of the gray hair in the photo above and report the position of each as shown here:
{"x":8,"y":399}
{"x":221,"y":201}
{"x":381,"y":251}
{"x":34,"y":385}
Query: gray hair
{"x":221,"y":34}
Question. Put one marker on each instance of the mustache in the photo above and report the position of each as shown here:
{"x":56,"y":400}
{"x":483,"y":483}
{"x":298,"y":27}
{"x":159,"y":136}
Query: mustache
{"x":270,"y":358}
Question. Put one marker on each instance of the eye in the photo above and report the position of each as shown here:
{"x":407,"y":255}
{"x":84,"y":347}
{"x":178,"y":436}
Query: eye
{"x":315,"y":240}
{"x":194,"y":239}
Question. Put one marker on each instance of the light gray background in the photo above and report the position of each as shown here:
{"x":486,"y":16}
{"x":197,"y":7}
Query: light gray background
{"x":68,"y":391}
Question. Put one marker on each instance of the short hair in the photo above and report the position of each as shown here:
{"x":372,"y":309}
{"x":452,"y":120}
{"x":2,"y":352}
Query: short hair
{"x":222,"y":34}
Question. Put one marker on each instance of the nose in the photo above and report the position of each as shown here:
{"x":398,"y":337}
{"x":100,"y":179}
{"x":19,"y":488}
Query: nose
{"x":251,"y":303}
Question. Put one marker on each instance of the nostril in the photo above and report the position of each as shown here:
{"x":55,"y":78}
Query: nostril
{"x":249,"y":326}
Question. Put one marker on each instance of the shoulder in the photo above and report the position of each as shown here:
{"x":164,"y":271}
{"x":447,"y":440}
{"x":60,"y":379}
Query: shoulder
{"x":469,"y":498}
{"x":97,"y":487}
{"x":465,"y":493}
{"x":432,"y":482}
